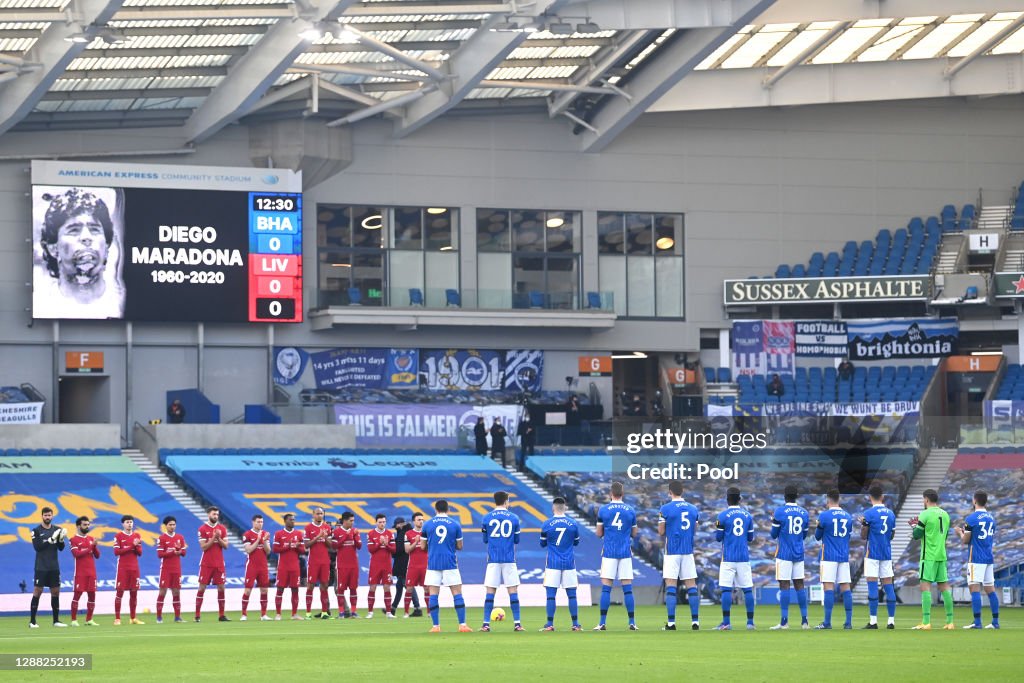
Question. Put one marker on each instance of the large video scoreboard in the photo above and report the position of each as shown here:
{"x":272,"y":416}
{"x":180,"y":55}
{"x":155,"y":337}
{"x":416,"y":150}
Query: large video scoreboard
{"x":166,"y":243}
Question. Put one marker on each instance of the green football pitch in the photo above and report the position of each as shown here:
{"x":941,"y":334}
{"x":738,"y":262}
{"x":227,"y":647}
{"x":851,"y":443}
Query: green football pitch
{"x":401,"y":649}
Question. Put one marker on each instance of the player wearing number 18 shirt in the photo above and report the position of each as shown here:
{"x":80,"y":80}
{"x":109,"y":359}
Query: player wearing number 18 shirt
{"x":677,"y":523}
{"x":878,"y":526}
{"x":977,"y":534}
{"x":560,"y":535}
{"x":616,"y":524}
{"x":833,"y":530}
{"x":442,"y":538}
{"x":789,"y":525}
{"x":735,"y":531}
{"x":500,"y":530}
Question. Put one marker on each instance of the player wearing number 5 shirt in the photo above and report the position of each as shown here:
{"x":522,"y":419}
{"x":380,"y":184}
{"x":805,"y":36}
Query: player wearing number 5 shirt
{"x":616,"y":524}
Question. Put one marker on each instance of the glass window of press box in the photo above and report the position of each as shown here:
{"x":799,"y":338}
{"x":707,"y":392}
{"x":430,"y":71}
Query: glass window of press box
{"x":386,"y":256}
{"x":528,"y":258}
{"x":640,"y":261}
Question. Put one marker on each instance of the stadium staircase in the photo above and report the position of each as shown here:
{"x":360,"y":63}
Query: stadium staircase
{"x":994,"y":217}
{"x":929,"y":476}
{"x":174,"y":489}
{"x":1013,"y":253}
{"x":951,"y":251}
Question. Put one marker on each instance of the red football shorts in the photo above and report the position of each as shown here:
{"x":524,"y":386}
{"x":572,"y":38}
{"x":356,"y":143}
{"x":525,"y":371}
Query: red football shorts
{"x":288,"y":578}
{"x":257,"y":577}
{"x":128,"y":580}
{"x":214,"y":575}
{"x":318,"y":573}
{"x":85,"y":584}
{"x":380,"y":576}
{"x":348,"y":577}
{"x":415,"y":576}
{"x":169,"y":580}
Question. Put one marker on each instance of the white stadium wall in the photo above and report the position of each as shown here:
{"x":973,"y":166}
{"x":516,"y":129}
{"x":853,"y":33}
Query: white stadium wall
{"x":757,"y":187}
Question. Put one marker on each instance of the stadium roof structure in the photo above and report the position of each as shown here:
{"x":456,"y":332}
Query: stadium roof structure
{"x":203,"y":64}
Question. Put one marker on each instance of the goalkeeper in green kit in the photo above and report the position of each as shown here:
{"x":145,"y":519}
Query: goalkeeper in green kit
{"x":932,"y":527}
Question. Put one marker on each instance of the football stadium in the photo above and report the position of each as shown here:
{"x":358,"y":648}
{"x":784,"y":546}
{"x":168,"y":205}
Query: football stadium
{"x":535,"y":339}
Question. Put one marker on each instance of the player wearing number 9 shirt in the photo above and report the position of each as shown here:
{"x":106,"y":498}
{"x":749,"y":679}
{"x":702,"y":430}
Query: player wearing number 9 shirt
{"x":735,"y":531}
{"x":442,"y":538}
{"x":616,"y":524}
{"x":677,"y":522}
{"x":833,"y":530}
{"x":500,"y":529}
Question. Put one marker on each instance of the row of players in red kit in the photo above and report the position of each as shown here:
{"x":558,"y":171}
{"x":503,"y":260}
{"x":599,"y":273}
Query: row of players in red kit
{"x":288,"y":543}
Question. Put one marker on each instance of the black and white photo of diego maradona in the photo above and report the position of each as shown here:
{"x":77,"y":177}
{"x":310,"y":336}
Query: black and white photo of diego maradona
{"x":77,"y":252}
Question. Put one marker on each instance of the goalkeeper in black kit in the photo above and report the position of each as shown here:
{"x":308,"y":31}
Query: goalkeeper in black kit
{"x":47,"y":540}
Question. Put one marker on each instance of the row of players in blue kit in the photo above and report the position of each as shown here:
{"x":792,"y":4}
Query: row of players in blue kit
{"x":617,"y":525}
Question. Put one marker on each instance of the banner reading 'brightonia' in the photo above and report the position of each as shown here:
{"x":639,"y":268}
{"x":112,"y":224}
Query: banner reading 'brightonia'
{"x":827,"y":290}
{"x":902,"y":338}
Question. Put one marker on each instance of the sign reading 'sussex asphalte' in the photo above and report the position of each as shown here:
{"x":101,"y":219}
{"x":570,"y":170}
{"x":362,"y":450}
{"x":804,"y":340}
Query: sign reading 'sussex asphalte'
{"x":827,"y":290}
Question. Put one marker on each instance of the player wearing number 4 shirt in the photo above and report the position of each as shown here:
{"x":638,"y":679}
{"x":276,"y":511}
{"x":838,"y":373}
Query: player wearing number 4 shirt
{"x":442,"y":538}
{"x":560,"y":535}
{"x":318,"y":564}
{"x":500,"y":529}
{"x":789,"y":526}
{"x":977,"y":534}
{"x":878,"y":526}
{"x":677,"y":523}
{"x":735,"y":530}
{"x":616,"y":524}
{"x":833,"y":530}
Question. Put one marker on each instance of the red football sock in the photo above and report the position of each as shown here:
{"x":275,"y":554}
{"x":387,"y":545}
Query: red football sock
{"x":245,"y":603}
{"x":160,"y":605}
{"x":371,"y":598}
{"x":263,"y":604}
{"x":295,"y":601}
{"x":309,"y":598}
{"x":325,"y":600}
{"x":199,"y":604}
{"x":353,"y":598}
{"x":176,"y":603}
{"x":117,"y":604}
{"x":220,"y":602}
{"x":278,"y":600}
{"x":74,"y":605}
{"x":387,"y":599}
{"x":133,"y":601}
{"x":90,"y":605}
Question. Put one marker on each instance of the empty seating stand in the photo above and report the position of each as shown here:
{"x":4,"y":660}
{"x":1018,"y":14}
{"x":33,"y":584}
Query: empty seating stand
{"x":906,"y":251}
{"x":872,"y":384}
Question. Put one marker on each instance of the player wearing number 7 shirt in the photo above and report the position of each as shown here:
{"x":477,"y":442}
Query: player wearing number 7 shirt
{"x":500,"y":529}
{"x":616,"y":524}
{"x":677,"y":523}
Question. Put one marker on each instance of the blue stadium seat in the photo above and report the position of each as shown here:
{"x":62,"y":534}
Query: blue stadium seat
{"x":355,"y":297}
{"x":782,"y":271}
{"x":709,"y":375}
{"x":724,"y":375}
{"x":799,"y":270}
{"x":594,"y":300}
{"x":415,"y":296}
{"x":453,"y":298}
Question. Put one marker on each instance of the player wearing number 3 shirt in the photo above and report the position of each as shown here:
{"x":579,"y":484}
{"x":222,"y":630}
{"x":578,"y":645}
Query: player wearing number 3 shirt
{"x":616,"y":524}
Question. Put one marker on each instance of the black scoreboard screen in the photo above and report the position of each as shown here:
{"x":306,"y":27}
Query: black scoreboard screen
{"x":166,"y":243}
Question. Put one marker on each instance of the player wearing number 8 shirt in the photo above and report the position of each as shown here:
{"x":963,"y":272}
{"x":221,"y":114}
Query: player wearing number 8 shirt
{"x":833,"y":530}
{"x":442,"y":538}
{"x":616,"y":524}
{"x":500,"y":529}
{"x":878,"y":526}
{"x":977,"y":533}
{"x":677,"y":523}
{"x":789,"y":526}
{"x":734,"y":529}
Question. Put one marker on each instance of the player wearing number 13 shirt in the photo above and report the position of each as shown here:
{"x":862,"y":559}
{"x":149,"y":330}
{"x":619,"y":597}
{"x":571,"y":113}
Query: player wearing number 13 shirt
{"x":616,"y":524}
{"x":833,"y":530}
